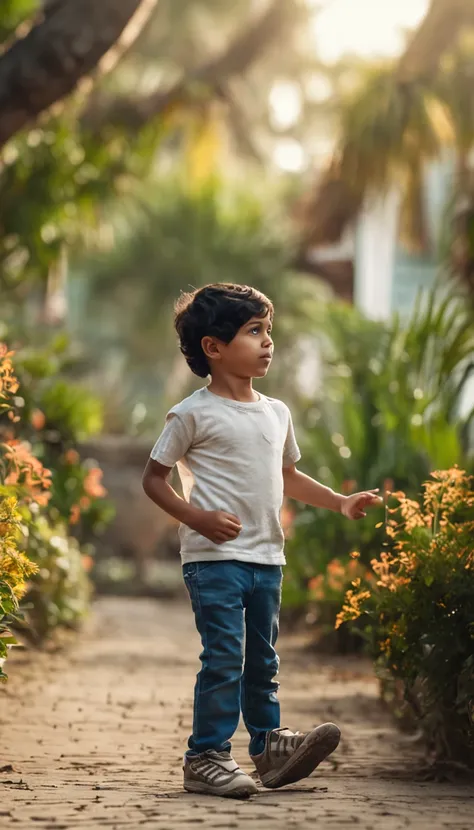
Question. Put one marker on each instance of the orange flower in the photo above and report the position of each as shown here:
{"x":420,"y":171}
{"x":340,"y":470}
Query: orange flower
{"x":92,"y":485}
{"x":37,"y":419}
{"x":87,"y":562}
{"x":336,"y":568}
{"x":316,"y":587}
{"x":71,"y":457}
{"x":27,"y":471}
{"x":75,"y":514}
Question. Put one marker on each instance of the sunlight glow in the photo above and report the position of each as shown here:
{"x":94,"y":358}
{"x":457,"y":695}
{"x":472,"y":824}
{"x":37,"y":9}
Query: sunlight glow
{"x":368,"y":28}
{"x":285,"y":104}
{"x":289,"y":155}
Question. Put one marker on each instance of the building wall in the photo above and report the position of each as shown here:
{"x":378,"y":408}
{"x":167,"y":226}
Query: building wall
{"x":387,"y":276}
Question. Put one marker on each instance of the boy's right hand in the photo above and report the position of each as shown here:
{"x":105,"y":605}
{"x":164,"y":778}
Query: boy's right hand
{"x":216,"y":525}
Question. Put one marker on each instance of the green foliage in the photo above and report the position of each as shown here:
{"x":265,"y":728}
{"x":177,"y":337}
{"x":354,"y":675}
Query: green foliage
{"x":74,"y":409}
{"x":40,"y":560}
{"x":60,"y":591}
{"x":418,"y":611}
{"x":53,"y":183}
{"x":57,"y":415}
{"x":389,"y":412}
{"x":14,"y":12}
{"x":178,"y":240}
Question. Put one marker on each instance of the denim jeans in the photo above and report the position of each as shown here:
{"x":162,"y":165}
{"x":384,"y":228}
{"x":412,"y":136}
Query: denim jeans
{"x":236,"y":606}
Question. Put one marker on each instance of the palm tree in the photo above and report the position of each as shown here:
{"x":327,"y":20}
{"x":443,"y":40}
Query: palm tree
{"x":402,"y":116}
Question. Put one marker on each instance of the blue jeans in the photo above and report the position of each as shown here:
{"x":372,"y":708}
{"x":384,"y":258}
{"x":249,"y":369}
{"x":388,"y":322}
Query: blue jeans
{"x":236,"y":606}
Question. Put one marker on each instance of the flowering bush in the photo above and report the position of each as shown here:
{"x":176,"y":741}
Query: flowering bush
{"x":39,"y":559}
{"x":418,"y":610}
{"x":15,"y":569}
{"x":55,"y":416}
{"x":389,"y":408}
{"x":18,"y":471}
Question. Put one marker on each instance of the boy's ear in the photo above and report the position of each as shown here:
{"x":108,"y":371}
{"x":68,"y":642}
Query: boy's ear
{"x":210,"y":348}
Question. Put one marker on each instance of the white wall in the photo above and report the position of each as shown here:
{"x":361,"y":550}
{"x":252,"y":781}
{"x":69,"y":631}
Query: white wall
{"x":376,"y":241}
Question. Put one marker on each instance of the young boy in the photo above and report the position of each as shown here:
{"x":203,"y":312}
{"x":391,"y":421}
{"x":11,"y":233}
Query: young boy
{"x":236,"y":454}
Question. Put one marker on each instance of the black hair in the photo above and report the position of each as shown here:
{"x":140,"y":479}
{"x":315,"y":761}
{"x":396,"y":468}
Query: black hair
{"x":218,"y":310}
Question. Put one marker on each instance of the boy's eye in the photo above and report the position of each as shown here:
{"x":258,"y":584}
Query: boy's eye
{"x":257,"y":329}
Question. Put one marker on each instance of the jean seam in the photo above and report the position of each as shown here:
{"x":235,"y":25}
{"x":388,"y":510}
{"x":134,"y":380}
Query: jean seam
{"x":193,"y":587}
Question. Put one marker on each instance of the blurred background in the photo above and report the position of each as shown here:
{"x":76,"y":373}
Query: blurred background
{"x":320,"y":150}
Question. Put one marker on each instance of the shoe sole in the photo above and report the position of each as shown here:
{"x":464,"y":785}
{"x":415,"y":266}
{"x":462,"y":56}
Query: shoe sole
{"x":241,"y":793}
{"x":315,"y":748}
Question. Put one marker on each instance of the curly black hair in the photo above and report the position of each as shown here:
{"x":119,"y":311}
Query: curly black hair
{"x":218,"y":310}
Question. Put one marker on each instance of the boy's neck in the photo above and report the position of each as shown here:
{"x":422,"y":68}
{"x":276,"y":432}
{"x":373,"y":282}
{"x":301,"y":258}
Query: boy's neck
{"x":233,"y":388}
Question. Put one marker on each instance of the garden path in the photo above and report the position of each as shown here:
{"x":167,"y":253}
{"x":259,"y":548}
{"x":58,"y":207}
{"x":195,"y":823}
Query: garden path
{"x":92,"y":737}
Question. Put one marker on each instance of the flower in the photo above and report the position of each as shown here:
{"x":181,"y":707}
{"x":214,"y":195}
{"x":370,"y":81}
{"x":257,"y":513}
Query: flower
{"x":26,"y":471}
{"x":92,"y":485}
{"x":87,"y":562}
{"x":72,"y":457}
{"x":37,"y":419}
{"x":75,"y":514}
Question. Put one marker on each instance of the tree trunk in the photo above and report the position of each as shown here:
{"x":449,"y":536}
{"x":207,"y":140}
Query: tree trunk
{"x":72,"y":38}
{"x":434,"y":36}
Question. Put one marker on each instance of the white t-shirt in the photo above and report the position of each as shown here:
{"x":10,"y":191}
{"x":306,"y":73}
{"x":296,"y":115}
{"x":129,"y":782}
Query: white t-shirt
{"x":230,"y":456}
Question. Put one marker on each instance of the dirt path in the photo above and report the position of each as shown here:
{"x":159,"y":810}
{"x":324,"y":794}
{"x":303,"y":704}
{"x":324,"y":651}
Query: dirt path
{"x":94,"y":739}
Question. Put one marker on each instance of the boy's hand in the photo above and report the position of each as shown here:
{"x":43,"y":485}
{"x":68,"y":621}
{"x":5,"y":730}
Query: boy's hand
{"x":353,"y":507}
{"x":216,"y":525}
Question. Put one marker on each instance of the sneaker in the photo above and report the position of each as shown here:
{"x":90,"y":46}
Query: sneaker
{"x":216,"y":773}
{"x":290,"y":756}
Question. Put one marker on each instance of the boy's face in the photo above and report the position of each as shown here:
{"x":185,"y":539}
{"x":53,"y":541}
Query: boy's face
{"x":249,"y":354}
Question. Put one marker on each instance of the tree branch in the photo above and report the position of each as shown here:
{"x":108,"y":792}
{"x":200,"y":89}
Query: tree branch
{"x":244,"y":50}
{"x":72,"y":38}
{"x":437,"y":33}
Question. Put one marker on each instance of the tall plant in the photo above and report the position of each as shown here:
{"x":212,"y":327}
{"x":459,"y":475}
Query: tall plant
{"x":390,"y":411}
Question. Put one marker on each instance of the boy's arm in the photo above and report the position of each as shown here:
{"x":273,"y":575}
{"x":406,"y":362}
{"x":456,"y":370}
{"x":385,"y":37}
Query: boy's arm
{"x":215,"y":525}
{"x":156,"y":486}
{"x":305,"y":489}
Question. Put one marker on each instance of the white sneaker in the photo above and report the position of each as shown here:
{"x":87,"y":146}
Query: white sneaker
{"x":216,"y":773}
{"x":289,"y":756}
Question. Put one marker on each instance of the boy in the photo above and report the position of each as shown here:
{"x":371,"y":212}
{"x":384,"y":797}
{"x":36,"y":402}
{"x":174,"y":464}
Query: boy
{"x":236,"y":454}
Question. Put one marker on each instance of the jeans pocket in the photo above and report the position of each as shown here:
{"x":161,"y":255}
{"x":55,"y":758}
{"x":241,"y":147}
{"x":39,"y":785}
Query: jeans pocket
{"x":189,"y":569}
{"x":190,"y":580}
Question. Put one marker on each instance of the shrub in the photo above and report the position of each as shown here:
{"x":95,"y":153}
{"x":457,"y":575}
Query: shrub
{"x":15,"y":569}
{"x":40,"y":561}
{"x":392,"y":407}
{"x":418,"y":611}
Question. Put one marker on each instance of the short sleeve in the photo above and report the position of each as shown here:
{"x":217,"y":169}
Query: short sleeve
{"x":174,"y":441}
{"x":291,"y":451}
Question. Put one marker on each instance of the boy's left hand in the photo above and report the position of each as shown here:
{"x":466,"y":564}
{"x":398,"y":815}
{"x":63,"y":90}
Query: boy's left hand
{"x":354,"y":507}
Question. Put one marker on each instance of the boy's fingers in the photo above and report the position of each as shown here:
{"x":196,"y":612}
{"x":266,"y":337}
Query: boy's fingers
{"x":371,"y":497}
{"x":222,"y":536}
{"x":230,"y":531}
{"x":233,"y":521}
